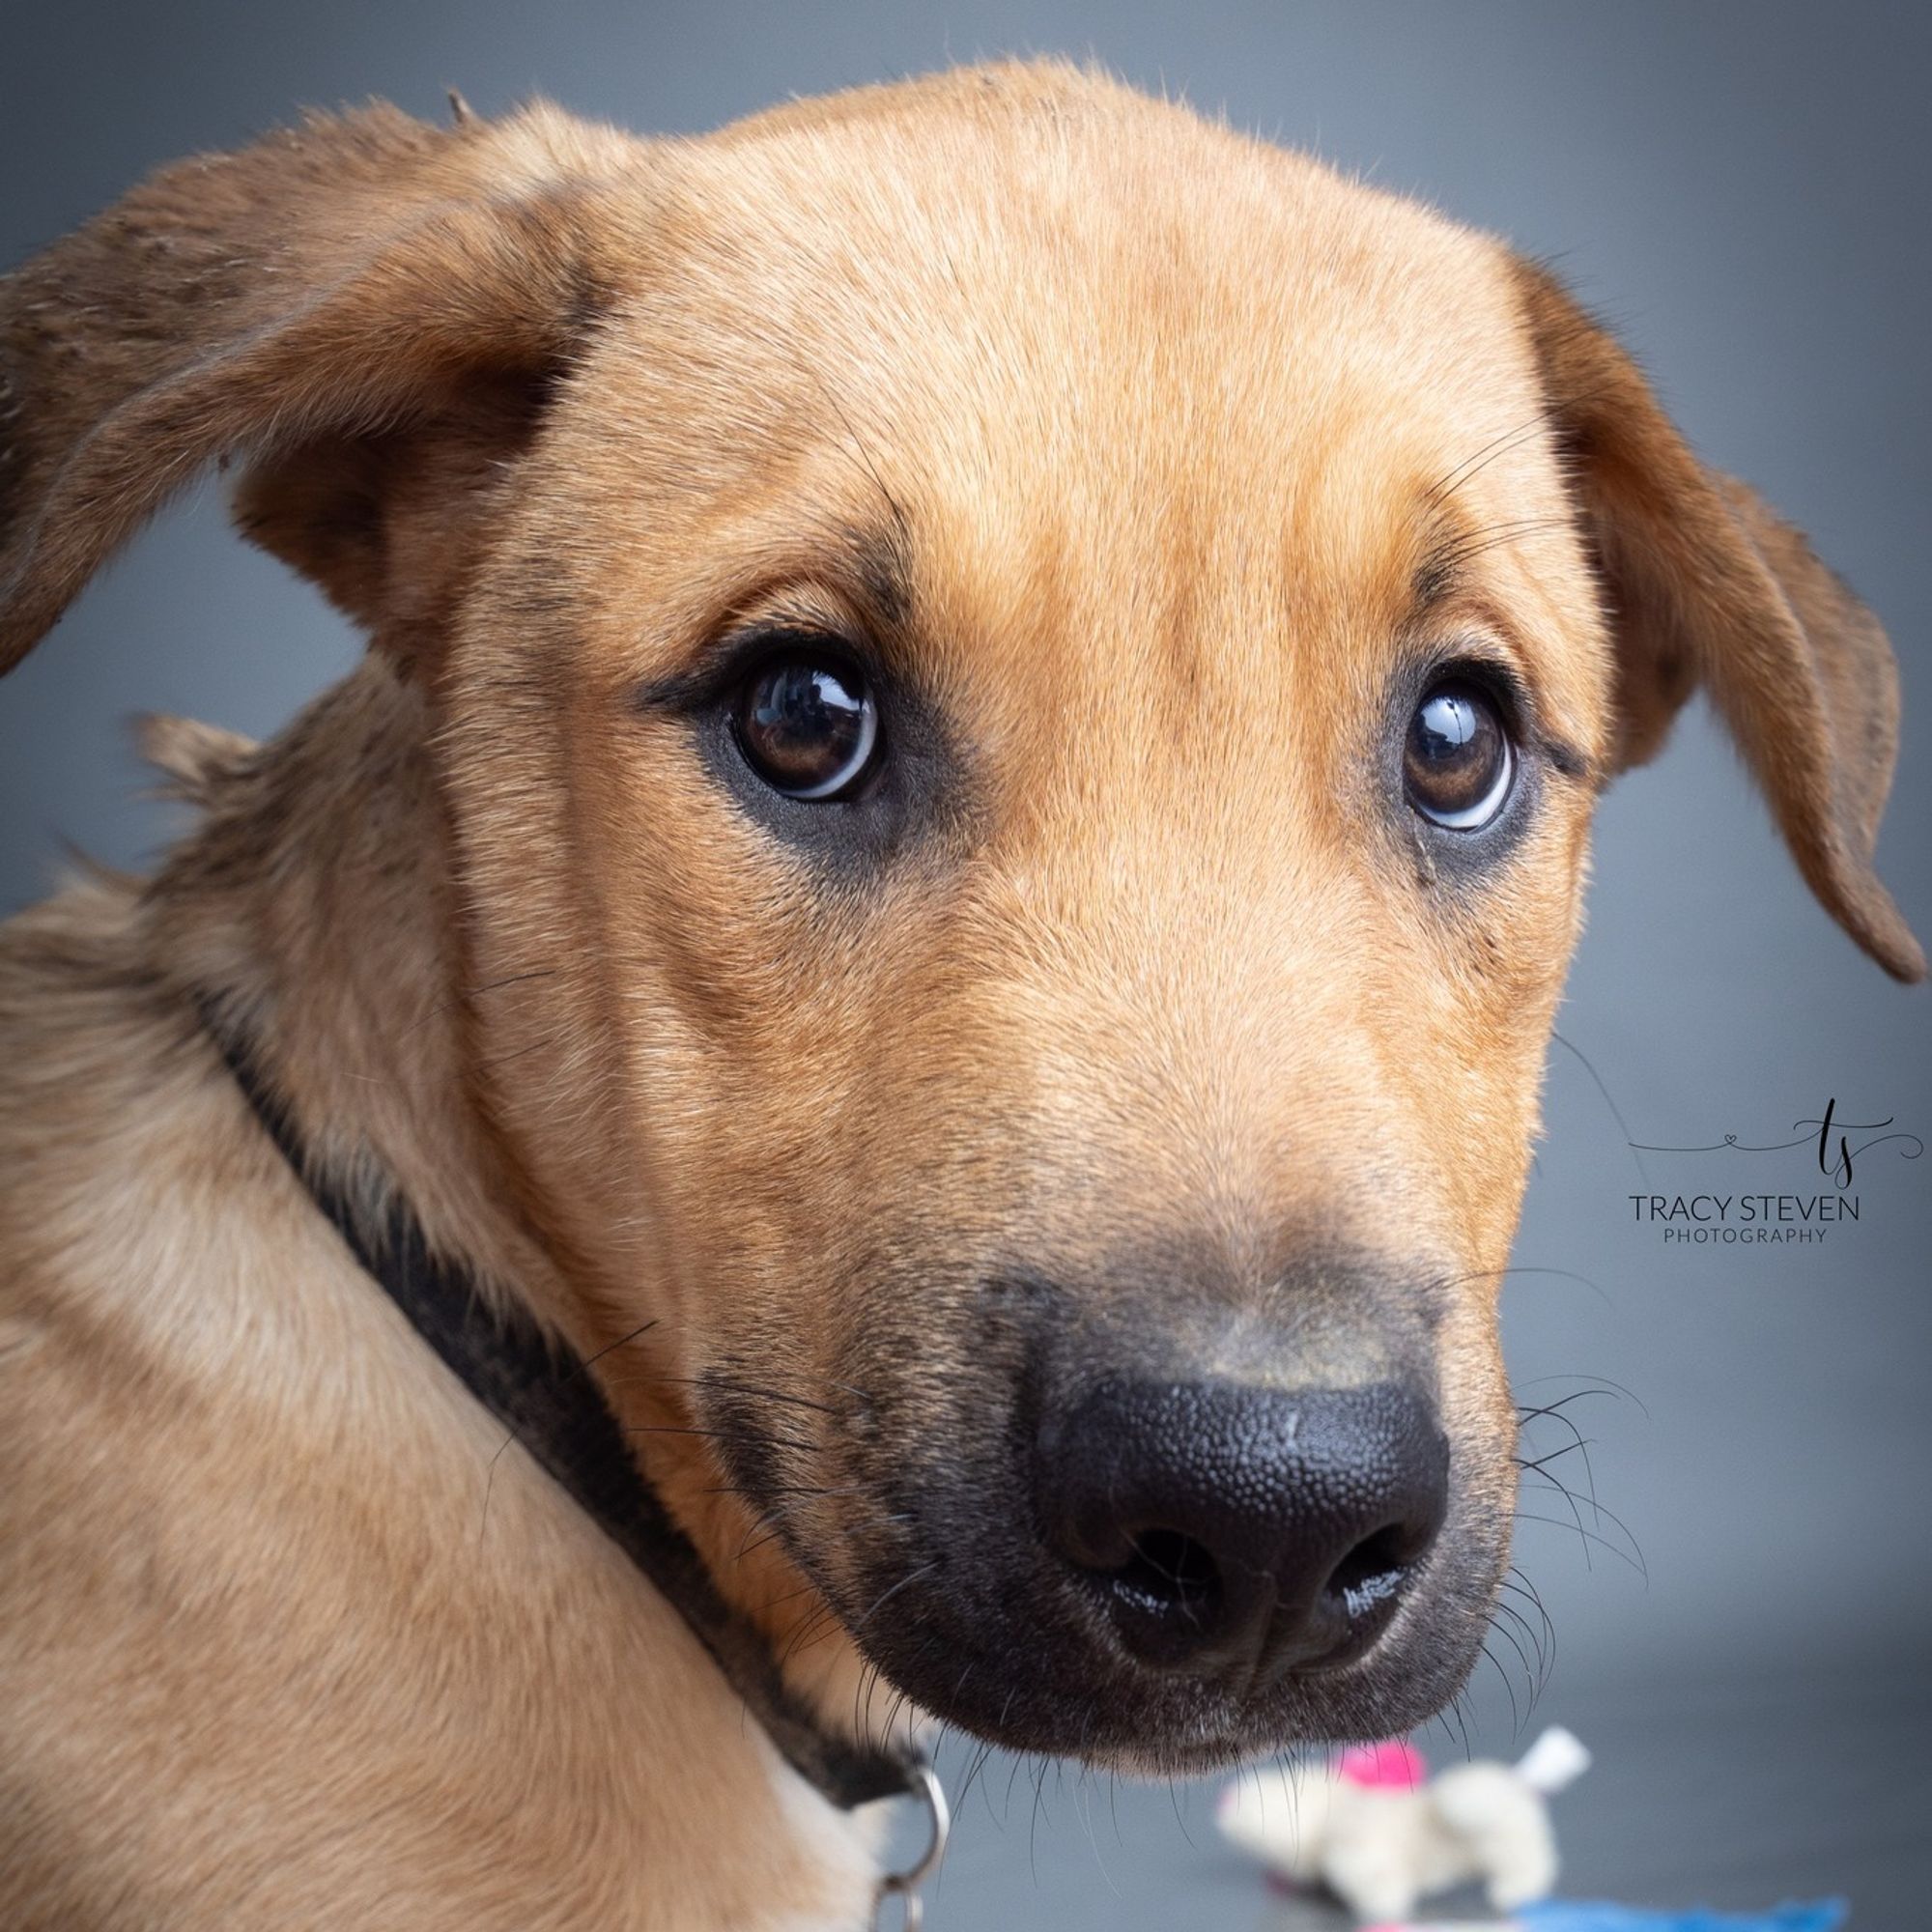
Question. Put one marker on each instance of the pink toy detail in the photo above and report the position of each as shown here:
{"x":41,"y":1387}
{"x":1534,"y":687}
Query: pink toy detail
{"x":1390,"y":1766}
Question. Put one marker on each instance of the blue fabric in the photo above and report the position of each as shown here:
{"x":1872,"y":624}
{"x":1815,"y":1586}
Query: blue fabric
{"x":1563,"y":1915}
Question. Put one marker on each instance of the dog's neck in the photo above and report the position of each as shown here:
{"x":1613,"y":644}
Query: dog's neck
{"x":316,"y":905}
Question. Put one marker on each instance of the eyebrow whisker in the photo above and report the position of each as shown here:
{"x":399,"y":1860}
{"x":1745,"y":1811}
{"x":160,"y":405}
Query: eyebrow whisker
{"x":1438,"y":491}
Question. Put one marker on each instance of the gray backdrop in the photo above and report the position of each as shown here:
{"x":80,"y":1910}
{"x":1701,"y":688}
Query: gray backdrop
{"x":1744,"y":189}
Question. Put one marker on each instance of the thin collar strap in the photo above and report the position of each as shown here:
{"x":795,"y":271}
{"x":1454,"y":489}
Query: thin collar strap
{"x":543,"y":1392}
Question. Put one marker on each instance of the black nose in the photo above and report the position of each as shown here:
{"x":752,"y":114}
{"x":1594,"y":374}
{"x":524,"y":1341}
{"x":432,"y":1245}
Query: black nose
{"x":1230,"y":1529}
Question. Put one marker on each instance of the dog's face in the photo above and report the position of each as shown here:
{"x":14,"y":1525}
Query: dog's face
{"x":1151,"y":998}
{"x":1022,"y":682}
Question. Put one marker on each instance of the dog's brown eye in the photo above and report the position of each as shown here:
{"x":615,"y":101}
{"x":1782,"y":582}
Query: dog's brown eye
{"x":808,"y":727}
{"x":1458,"y":763}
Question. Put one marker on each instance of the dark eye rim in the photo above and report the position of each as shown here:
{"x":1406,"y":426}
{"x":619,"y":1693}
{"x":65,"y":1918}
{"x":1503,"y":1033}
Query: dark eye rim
{"x":921,"y":791}
{"x":766,"y":651}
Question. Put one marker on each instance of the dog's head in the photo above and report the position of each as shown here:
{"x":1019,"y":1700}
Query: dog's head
{"x":1018,"y":683}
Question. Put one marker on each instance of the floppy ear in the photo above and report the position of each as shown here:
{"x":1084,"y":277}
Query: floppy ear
{"x":1704,"y":585}
{"x":366,"y":308}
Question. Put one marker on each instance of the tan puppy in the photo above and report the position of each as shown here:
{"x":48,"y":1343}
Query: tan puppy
{"x":971,"y":796}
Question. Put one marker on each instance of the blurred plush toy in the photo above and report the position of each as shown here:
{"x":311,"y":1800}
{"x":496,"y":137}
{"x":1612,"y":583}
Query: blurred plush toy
{"x":1380,"y":1834}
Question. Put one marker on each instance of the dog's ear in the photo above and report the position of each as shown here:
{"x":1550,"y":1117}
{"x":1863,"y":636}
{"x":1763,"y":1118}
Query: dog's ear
{"x":1703,"y":585}
{"x":367,"y":310}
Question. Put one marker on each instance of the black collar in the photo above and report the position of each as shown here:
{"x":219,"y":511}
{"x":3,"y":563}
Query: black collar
{"x":543,"y":1392}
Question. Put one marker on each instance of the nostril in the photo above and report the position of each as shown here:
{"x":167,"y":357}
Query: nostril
{"x":1371,"y":1573}
{"x":1168,"y":1570}
{"x":1166,"y":1596}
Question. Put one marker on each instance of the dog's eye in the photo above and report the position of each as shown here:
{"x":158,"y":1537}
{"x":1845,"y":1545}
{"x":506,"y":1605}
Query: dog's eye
{"x":807,"y":726}
{"x":1458,"y":761}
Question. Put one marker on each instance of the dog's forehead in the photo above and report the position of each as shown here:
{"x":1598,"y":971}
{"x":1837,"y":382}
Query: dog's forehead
{"x":1059,"y":332}
{"x":1089,"y":262}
